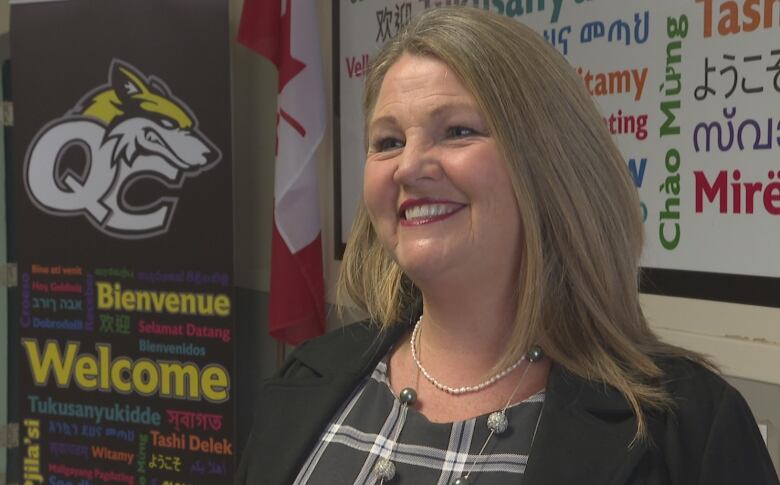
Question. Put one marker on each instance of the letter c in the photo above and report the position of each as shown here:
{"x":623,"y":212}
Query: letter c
{"x":120,"y":365}
{"x":666,"y":243}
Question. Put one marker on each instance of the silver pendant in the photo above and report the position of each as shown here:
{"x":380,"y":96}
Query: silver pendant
{"x":384,"y":469}
{"x":497,"y":422}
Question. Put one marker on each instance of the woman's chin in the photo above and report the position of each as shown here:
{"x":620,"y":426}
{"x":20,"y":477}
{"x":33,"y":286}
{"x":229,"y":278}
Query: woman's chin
{"x":424,"y":268}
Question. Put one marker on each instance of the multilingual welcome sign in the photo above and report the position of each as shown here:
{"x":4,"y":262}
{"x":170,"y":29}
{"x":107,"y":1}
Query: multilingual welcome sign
{"x":124,"y":205}
{"x":690,"y":91}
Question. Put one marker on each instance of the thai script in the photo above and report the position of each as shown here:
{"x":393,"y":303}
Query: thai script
{"x":723,"y":134}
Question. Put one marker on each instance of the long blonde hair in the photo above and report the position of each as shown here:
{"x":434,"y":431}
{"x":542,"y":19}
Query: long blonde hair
{"x":578,"y":283}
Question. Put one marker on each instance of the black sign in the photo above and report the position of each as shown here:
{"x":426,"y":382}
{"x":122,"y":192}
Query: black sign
{"x":124,"y":237}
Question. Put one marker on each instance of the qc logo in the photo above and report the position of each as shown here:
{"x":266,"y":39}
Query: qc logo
{"x":131,"y":128}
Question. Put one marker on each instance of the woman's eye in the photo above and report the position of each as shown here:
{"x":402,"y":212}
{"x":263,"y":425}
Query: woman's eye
{"x":460,"y":132}
{"x":386,"y":144}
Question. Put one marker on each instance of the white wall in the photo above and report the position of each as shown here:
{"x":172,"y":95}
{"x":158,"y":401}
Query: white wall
{"x":743,"y":340}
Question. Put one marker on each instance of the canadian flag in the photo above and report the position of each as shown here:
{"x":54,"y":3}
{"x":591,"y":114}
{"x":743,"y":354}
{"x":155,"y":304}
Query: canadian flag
{"x":287,"y":33}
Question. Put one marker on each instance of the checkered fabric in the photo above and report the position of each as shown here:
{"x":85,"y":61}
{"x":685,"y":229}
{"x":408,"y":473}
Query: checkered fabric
{"x":372,"y":425}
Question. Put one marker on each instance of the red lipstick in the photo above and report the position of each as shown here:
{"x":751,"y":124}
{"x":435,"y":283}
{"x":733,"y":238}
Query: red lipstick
{"x":452,"y":208}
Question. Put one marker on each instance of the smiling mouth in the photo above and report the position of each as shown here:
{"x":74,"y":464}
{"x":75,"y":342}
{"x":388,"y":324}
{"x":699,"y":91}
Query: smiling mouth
{"x":428,"y":213}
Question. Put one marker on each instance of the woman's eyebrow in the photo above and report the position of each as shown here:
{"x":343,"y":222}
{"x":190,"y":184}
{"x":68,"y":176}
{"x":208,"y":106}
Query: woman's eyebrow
{"x":440,"y":111}
{"x":383,"y":120}
{"x":447,"y":108}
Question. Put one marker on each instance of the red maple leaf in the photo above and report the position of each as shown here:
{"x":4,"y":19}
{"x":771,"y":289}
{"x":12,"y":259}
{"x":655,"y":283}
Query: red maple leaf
{"x":266,"y":31}
{"x":288,"y":66}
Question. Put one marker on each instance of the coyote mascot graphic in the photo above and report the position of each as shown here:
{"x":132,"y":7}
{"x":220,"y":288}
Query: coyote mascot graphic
{"x":129,"y":129}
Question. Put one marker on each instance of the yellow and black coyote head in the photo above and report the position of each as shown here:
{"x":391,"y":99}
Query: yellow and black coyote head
{"x":145,"y":119}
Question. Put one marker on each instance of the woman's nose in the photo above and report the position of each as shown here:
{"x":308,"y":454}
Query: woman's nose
{"x":420,"y":160}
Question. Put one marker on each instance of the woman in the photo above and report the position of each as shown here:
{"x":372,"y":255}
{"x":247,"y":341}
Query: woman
{"x":496,"y":253}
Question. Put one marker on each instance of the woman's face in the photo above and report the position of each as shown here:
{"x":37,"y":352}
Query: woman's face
{"x":436,"y":188}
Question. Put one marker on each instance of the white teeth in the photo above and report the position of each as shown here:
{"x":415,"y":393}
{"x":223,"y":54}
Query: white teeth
{"x":428,"y":211}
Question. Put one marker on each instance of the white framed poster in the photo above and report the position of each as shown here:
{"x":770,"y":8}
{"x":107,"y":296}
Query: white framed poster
{"x":691,"y":94}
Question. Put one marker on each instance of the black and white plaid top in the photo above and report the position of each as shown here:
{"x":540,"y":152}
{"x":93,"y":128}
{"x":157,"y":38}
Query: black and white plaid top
{"x":373,"y":425}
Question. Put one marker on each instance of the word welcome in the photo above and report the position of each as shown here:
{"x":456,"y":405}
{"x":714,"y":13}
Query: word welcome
{"x":168,"y":379}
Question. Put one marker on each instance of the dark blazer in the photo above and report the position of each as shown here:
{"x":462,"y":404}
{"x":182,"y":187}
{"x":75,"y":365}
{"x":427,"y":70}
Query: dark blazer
{"x":584,"y":435}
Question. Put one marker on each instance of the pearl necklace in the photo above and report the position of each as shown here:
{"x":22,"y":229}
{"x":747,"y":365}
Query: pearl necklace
{"x":455,"y":390}
{"x":497,"y":421}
